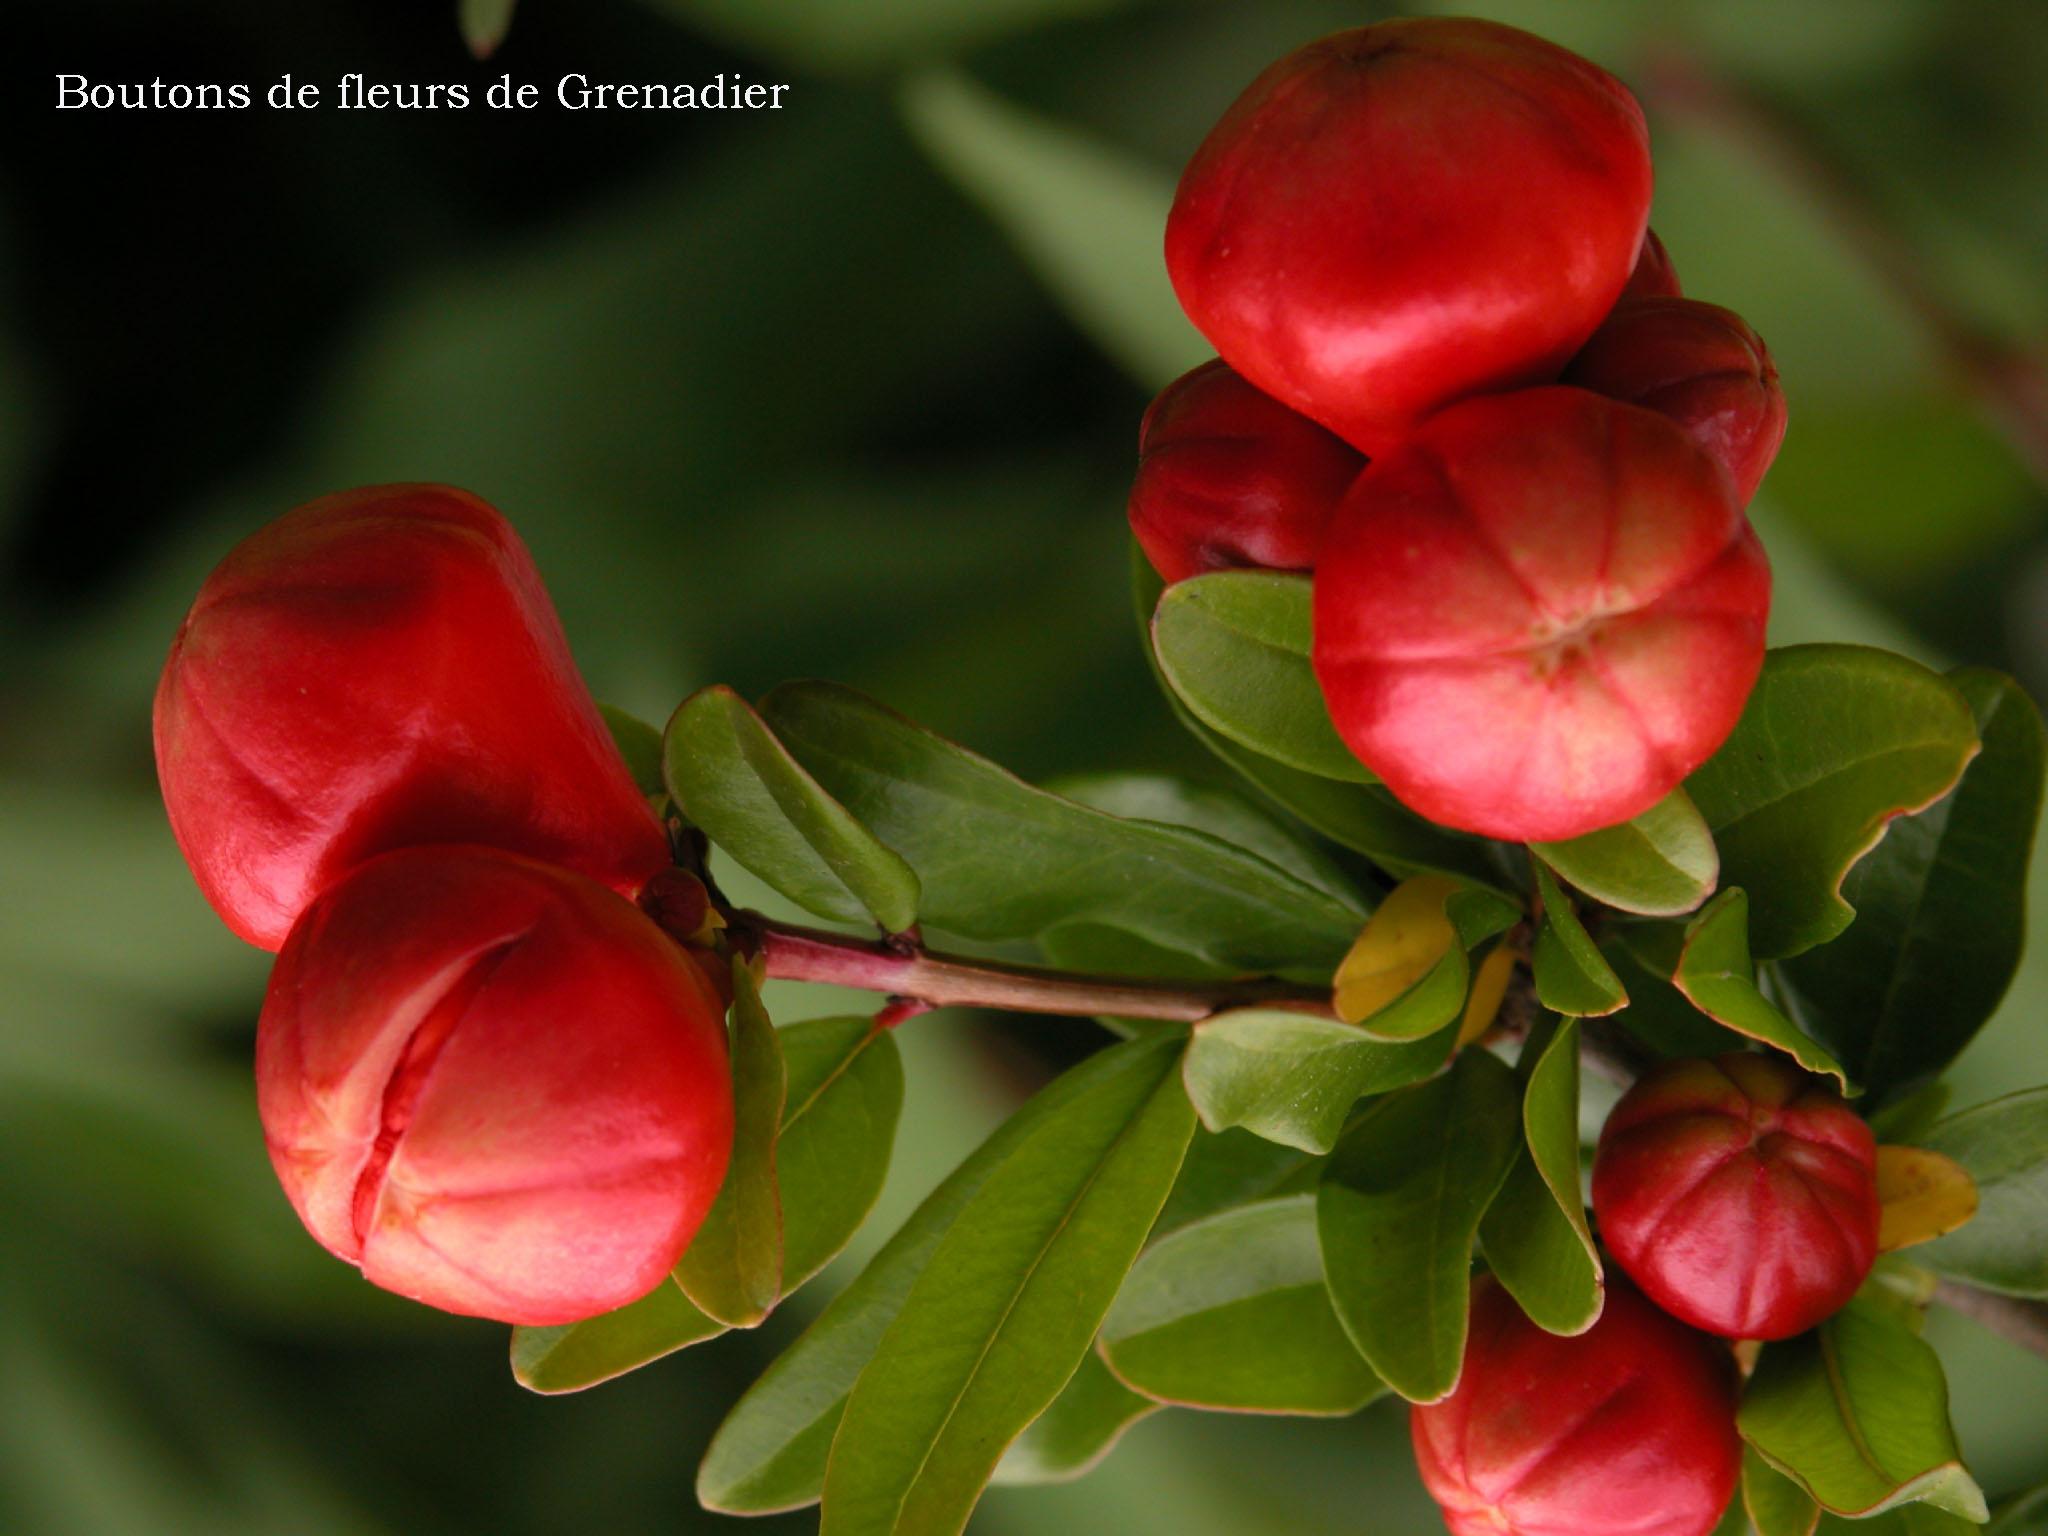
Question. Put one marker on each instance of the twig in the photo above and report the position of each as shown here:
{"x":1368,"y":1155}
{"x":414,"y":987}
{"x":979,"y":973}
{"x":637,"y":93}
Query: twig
{"x":2024,"y":1323}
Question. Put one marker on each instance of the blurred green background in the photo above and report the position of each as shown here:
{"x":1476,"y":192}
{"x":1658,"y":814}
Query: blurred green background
{"x":847,"y":389}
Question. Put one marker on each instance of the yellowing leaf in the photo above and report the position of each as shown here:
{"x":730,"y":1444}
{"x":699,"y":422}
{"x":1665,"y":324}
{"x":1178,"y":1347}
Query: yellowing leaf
{"x":1488,"y":988}
{"x":1921,"y":1195}
{"x":1401,"y":944}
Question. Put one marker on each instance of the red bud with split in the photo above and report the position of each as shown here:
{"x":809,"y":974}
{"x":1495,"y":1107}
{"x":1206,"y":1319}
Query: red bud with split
{"x":375,"y":670}
{"x":1739,"y":1193}
{"x":1229,"y":477}
{"x":493,"y":1085}
{"x":1626,"y":1430}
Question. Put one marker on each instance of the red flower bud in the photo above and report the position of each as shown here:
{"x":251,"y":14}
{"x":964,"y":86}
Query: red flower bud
{"x":1654,"y":277}
{"x":1540,"y":615}
{"x":379,"y":669}
{"x":1740,"y":1194}
{"x":1701,"y":366}
{"x":1401,"y":215}
{"x":494,"y":1085}
{"x":1626,"y":1430}
{"x":1230,"y":477}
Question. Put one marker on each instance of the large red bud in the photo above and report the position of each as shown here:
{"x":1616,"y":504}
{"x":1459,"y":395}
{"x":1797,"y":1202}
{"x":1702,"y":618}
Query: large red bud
{"x":1626,"y":1430}
{"x":493,"y":1085}
{"x":1229,"y":477}
{"x":1702,"y":366}
{"x":1739,"y":1193}
{"x":378,"y":669}
{"x":1404,"y":214}
{"x":1540,"y":614}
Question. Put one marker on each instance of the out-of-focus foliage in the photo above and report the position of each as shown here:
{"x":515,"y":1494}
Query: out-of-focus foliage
{"x":850,"y":389}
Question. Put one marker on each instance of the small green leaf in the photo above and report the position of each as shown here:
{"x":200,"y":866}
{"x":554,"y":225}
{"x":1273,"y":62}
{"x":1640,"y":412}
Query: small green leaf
{"x":2004,"y":1145}
{"x":1231,"y":1313}
{"x":1000,"y":1320}
{"x":733,"y":1267}
{"x":1229,"y":1168}
{"x":572,"y":1356}
{"x":1081,"y":1427}
{"x":1293,"y":1077}
{"x":1716,"y":975}
{"x":1660,"y":864}
{"x":1644,"y":957}
{"x":1572,"y":976}
{"x":1398,"y":1208}
{"x":1856,"y":1412}
{"x":1535,"y":1232}
{"x":1835,"y":741}
{"x":736,"y":781}
{"x":640,"y":745}
{"x":1940,"y":909}
{"x":1777,"y":1506}
{"x":484,"y":24}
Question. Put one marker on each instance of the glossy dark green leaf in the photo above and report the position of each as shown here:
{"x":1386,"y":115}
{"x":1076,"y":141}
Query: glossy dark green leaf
{"x":1012,"y":1298}
{"x":733,"y":1266}
{"x":484,"y":24}
{"x":1535,"y":1233}
{"x":1940,"y":909}
{"x":1398,"y":1208}
{"x":1717,"y":976}
{"x":770,"y":1452}
{"x":1293,"y":1077}
{"x":1572,"y":976}
{"x":640,"y":745}
{"x":2004,"y":1145}
{"x":1231,"y":1313}
{"x":1081,"y":1427}
{"x":1856,"y":1413}
{"x":1660,"y":864}
{"x":1234,"y":646}
{"x":736,"y":781}
{"x":1002,"y":860}
{"x":1835,"y":741}
{"x":572,"y":1356}
{"x":1776,"y":1505}
{"x":1659,"y":1016}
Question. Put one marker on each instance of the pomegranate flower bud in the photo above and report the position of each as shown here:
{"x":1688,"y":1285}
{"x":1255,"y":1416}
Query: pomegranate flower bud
{"x":375,"y":670}
{"x":1740,"y":1194}
{"x":1654,"y":277}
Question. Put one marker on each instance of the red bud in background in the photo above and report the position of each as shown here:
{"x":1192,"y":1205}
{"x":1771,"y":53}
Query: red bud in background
{"x":374,"y":670}
{"x":1654,"y":277}
{"x":1229,"y":477}
{"x":1405,"y":214}
{"x":1740,"y":1194}
{"x":494,"y":1085}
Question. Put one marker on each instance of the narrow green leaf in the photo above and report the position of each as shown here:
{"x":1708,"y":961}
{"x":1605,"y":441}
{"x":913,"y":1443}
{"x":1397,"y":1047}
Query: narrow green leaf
{"x":640,"y":745}
{"x":995,"y":1327}
{"x":1572,"y":976}
{"x":1660,"y":864}
{"x":1835,"y":741}
{"x":2004,"y":1145}
{"x":1856,"y":1412}
{"x":1717,"y":976}
{"x":1293,"y":1077}
{"x":1002,"y":860}
{"x":769,"y":1454}
{"x":736,"y":781}
{"x":573,"y":1356}
{"x":1231,"y":1313}
{"x":1535,"y":1232}
{"x":1940,"y":909}
{"x":733,"y":1267}
{"x":484,"y":24}
{"x":1398,"y":1208}
{"x":1081,"y":1427}
{"x":1777,"y":1506}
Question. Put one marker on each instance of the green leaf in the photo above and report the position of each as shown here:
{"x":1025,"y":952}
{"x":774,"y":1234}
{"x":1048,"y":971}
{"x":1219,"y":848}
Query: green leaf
{"x":484,"y":24}
{"x":1234,"y":646}
{"x":1777,"y":1506}
{"x":1000,"y":1320}
{"x":733,"y":1267}
{"x":1293,"y":1077}
{"x":1535,"y":1232}
{"x":1660,"y":864}
{"x":1940,"y":909}
{"x":1717,"y":976}
{"x":2026,"y":1515}
{"x":736,"y":781}
{"x":1572,"y":976}
{"x":2004,"y":1145}
{"x":1398,"y":1208}
{"x":573,"y":1356}
{"x":640,"y":745}
{"x":1231,"y":1313}
{"x":1905,"y":1520}
{"x":1835,"y":742}
{"x":1856,"y":1412}
{"x":1001,"y":860}
{"x":1231,"y":1168}
{"x":1081,"y":1427}
{"x":769,"y":1454}
{"x":1645,"y":957}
